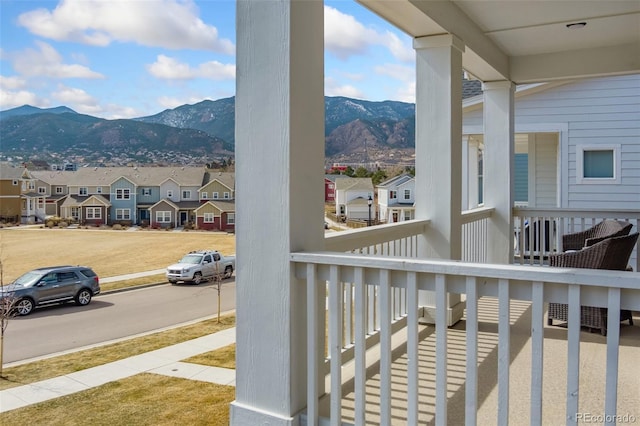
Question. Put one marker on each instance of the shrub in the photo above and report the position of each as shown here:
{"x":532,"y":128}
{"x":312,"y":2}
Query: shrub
{"x":63,"y":224}
{"x":117,"y":227}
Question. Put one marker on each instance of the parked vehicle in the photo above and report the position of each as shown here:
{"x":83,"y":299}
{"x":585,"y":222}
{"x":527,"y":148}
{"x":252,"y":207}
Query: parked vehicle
{"x":198,"y":266}
{"x":54,"y":284}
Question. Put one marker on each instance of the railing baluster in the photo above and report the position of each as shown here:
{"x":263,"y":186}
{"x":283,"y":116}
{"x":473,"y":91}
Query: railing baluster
{"x":335,"y":343}
{"x":537,"y":345}
{"x":613,"y":342}
{"x":348,"y":314}
{"x":573,"y":353}
{"x":360,"y":349}
{"x":313,"y":337}
{"x":412,"y":349}
{"x":385,"y":347}
{"x":471,"y":386}
{"x":504,"y":356}
{"x":441,"y":350}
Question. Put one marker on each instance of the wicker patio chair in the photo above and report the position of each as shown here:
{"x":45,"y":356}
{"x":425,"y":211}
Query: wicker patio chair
{"x":612,"y":253}
{"x":603,"y":230}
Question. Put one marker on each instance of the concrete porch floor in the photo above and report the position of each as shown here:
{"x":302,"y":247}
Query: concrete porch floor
{"x":592,"y":373}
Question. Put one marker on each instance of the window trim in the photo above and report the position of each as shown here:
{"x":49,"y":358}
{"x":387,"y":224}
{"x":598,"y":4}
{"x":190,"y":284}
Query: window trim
{"x":96,"y":213}
{"x":123,"y":193}
{"x":580,"y":150}
{"x":163,"y":216}
{"x":83,"y":190}
{"x":123,"y":214}
{"x":231,"y":218}
{"x":186,"y":194}
{"x":209,"y":217}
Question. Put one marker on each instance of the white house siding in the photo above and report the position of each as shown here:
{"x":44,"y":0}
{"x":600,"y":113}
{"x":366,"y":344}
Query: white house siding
{"x":170,"y":187}
{"x":603,"y":111}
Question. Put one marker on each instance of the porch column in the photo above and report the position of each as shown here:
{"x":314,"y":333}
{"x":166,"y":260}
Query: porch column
{"x":498,"y":179}
{"x":439,"y":156}
{"x":280,"y":199}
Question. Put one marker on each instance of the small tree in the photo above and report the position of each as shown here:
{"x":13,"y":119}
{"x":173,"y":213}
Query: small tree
{"x":7,"y":311}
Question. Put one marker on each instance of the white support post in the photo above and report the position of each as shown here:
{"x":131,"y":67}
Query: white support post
{"x":498,"y":179}
{"x":279,"y":160}
{"x":439,"y":157}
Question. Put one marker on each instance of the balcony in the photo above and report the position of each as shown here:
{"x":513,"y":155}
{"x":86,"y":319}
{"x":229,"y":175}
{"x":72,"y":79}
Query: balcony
{"x":376,"y":363}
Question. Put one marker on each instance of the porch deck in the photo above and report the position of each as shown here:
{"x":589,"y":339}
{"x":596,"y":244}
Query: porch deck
{"x":593,"y":359}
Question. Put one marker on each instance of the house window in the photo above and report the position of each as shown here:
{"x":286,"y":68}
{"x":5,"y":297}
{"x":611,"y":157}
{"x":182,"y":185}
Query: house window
{"x":93,"y":213}
{"x":83,"y":190}
{"x":407,"y":194}
{"x":393,"y":195}
{"x":163,"y":217}
{"x":123,"y":194}
{"x":215,"y":195}
{"x":208,"y":218}
{"x":169,"y":193}
{"x":59,"y":190}
{"x":203,"y":195}
{"x":146,"y":192}
{"x":226,"y":195}
{"x":231,"y":218}
{"x":186,"y":194}
{"x":123,"y":214}
{"x":75,"y":213}
{"x":14,"y":182}
{"x":42,"y":190}
{"x":32,"y":185}
{"x":98,"y":190}
{"x":598,"y":164}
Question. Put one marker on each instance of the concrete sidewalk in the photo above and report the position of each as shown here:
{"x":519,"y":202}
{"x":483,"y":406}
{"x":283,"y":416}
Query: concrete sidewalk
{"x":165,"y":361}
{"x":132,"y":276}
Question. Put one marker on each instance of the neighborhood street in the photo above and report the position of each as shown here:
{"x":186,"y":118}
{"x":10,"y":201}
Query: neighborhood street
{"x":112,"y":316}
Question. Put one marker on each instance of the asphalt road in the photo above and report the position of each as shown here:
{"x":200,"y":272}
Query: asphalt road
{"x":58,"y":328}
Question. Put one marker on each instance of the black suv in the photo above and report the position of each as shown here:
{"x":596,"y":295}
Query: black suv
{"x":51,"y":285}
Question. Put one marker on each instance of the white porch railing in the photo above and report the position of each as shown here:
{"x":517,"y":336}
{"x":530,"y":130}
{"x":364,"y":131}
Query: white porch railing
{"x":538,"y":232}
{"x":508,"y":283}
{"x":474,"y":234}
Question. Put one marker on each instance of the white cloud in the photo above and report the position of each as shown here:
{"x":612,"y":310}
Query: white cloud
{"x":170,"y":103}
{"x":77,"y":99}
{"x":172,"y":24}
{"x":11,"y":99}
{"x":168,"y":68}
{"x":333,"y":88}
{"x":47,"y":62}
{"x":12,"y":83}
{"x":118,"y":111}
{"x":344,"y":37}
{"x":400,"y":50}
{"x":396,"y":71}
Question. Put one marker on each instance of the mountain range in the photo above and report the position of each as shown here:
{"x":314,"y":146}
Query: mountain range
{"x":355,"y":130}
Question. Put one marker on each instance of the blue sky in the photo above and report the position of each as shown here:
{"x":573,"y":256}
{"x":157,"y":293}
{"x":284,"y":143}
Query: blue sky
{"x":123,"y":59}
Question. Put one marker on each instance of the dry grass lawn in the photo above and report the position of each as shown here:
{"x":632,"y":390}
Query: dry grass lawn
{"x":108,"y":252}
{"x":144,"y":399}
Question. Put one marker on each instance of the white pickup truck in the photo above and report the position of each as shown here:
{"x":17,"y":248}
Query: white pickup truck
{"x":201,"y":265}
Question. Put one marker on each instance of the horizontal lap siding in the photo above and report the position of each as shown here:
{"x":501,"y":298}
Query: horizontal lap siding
{"x":597,"y":111}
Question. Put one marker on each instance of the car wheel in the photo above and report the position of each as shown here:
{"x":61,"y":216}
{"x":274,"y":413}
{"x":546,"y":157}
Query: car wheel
{"x":228,"y":271}
{"x":83,"y":297}
{"x":197,"y":278}
{"x":24,"y":306}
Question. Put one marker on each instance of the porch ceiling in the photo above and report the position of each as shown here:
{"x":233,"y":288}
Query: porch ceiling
{"x":528,"y":40}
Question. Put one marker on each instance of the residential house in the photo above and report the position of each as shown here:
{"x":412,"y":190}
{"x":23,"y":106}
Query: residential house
{"x":396,"y":199}
{"x":19,"y":201}
{"x":330,"y":188}
{"x":53,"y":185}
{"x":217,"y":208}
{"x":417,"y":269}
{"x":352,"y":198}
